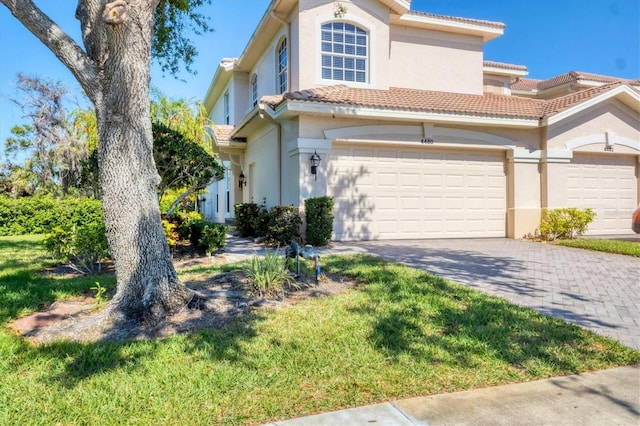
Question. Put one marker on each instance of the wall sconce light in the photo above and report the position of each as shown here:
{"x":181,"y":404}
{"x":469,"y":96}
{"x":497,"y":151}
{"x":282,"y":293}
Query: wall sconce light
{"x":242,"y":181}
{"x":315,"y":162}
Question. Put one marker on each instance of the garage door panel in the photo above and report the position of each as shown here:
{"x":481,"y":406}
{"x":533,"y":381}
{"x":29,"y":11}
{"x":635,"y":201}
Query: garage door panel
{"x":419,"y":194}
{"x":606,"y":184}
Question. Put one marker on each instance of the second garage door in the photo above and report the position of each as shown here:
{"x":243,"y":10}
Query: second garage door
{"x":609,"y":186}
{"x":416,"y":193}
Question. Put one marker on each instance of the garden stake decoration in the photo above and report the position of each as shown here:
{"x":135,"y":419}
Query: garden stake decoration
{"x":295,"y":252}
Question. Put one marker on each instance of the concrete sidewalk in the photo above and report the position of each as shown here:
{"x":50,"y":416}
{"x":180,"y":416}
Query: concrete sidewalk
{"x":609,"y":397}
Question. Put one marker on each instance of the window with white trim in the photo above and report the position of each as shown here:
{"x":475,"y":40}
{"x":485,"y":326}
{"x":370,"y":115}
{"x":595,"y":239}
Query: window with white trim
{"x":283,"y":64}
{"x":345,"y":52}
{"x":254,"y":91}
{"x":226,"y":112}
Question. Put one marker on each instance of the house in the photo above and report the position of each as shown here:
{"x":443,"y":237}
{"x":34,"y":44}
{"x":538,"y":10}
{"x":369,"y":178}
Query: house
{"x":417,"y":134}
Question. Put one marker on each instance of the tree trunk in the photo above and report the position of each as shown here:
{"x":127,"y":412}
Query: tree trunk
{"x":114,"y":72}
{"x":148,"y":286}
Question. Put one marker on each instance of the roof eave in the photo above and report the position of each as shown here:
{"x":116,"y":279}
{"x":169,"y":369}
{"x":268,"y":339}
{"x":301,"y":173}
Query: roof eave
{"x":218,"y":83}
{"x":290,"y":108}
{"x":625,"y":93}
{"x":399,"y":7}
{"x":487,"y":32}
{"x":511,"y":72}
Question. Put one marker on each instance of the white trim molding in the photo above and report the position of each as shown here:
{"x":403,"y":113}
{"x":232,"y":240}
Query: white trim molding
{"x":308,"y":146}
{"x":436,"y":136}
{"x":608,"y":138}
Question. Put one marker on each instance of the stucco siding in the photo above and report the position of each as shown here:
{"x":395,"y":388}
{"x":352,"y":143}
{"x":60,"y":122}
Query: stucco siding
{"x":612,"y":117}
{"x":431,"y":60}
{"x":260,"y":166}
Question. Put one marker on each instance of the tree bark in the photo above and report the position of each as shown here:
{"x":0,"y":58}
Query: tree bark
{"x":115,"y":73}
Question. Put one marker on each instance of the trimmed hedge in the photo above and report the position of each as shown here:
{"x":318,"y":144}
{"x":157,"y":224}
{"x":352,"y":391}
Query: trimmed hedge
{"x":31,"y":215}
{"x":280,"y":225}
{"x":319,"y":216}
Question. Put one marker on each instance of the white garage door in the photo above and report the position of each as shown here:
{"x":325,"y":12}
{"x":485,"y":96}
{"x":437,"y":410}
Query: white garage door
{"x":416,"y":193}
{"x":609,"y":186}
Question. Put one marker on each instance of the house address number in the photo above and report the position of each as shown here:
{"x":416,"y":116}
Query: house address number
{"x":427,"y":141}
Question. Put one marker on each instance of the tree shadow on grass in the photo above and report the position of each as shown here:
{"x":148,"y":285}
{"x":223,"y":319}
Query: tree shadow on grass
{"x":81,"y":361}
{"x":420,"y":315}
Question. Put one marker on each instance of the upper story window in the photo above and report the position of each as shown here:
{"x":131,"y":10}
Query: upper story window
{"x":226,"y":112}
{"x":283,"y":62}
{"x":345,"y":53}
{"x":254,"y":91}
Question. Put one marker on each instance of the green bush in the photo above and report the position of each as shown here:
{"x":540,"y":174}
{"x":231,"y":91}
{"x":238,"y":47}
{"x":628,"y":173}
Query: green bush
{"x":83,"y":247}
{"x":261,"y":222}
{"x":207,"y":236}
{"x":183,"y":221}
{"x":284,"y":225}
{"x":269,"y":274}
{"x":213,"y":237}
{"x":245,"y":218}
{"x":38,"y":215}
{"x":565,"y":223}
{"x":319,"y":217}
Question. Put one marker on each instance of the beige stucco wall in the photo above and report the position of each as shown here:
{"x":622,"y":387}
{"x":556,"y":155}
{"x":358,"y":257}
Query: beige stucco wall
{"x":613,"y":117}
{"x":433,"y":60}
{"x":369,"y":15}
{"x":260,"y":166}
{"x":266,"y":67}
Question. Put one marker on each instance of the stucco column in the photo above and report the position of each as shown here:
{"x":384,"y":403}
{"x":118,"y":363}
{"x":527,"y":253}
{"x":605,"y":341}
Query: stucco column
{"x":523,"y":212}
{"x":301,"y":150}
{"x":555,"y":165}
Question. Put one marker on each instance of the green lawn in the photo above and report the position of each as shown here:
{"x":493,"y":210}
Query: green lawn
{"x":404,"y":333}
{"x":629,"y":248}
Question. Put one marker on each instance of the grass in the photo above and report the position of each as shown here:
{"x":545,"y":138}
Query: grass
{"x":628,"y":248}
{"x":403,"y":333}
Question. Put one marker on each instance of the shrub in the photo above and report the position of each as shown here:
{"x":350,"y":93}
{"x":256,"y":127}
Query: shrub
{"x":245,"y":218}
{"x":261,"y":221}
{"x":319,"y":217}
{"x":170,"y":232}
{"x":183,"y":221}
{"x":37,"y":215}
{"x":284,"y":225}
{"x":565,"y":223}
{"x":269,"y":274}
{"x":83,"y":247}
{"x":213,"y":237}
{"x":207,"y":236}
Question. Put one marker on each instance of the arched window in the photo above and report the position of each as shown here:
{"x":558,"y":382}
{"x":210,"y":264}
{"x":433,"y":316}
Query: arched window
{"x":283,"y":62}
{"x":254,"y":91}
{"x":345,"y":52}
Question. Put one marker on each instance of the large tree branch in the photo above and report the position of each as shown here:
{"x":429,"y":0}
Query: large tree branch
{"x":63,"y":46}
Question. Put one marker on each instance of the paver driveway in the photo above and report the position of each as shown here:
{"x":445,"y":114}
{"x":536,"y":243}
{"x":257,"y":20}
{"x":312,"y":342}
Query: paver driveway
{"x":598,"y":291}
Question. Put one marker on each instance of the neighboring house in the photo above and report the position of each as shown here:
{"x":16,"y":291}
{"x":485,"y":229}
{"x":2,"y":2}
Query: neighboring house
{"x":418,"y":135}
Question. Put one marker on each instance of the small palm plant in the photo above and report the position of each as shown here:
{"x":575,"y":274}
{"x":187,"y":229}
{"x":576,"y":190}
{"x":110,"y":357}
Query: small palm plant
{"x":269,"y":274}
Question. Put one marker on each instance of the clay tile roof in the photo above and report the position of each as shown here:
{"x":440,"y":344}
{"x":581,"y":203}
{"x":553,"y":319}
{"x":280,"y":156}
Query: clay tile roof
{"x":554,"y":106}
{"x":487,"y":105}
{"x":422,"y":100}
{"x":493,"y":24}
{"x":222,"y":132}
{"x":502,"y":65}
{"x":575,"y":77}
{"x":525,"y":84}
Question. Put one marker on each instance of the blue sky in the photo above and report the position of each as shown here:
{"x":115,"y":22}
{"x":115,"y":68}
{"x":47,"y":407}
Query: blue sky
{"x":550,"y":37}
